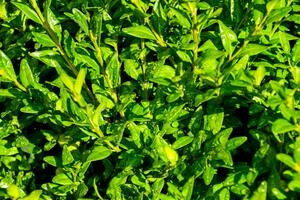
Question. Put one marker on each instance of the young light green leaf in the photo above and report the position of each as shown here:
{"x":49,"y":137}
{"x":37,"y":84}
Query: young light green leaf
{"x":261,"y":192}
{"x":277,"y":15}
{"x":34,"y":195}
{"x":284,"y":42}
{"x":62,"y":179}
{"x":81,"y":20}
{"x":182,"y":141}
{"x":296,"y":152}
{"x":30,"y":13}
{"x":228,"y":37}
{"x":253,"y":49}
{"x":26,"y":75}
{"x":287,"y":160}
{"x":113,"y":70}
{"x":139,"y":32}
{"x":98,"y":153}
{"x":43,"y":39}
{"x":188,"y":187}
{"x":208,"y":175}
{"x":132,"y":68}
{"x":296,"y":52}
{"x":235,"y":142}
{"x":67,"y":157}
{"x":67,"y":80}
{"x":6,"y":67}
{"x":80,"y":80}
{"x":259,"y":75}
{"x":182,"y":19}
{"x":282,"y":126}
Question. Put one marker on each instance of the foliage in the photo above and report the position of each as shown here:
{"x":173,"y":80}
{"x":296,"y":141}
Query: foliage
{"x":149,"y":99}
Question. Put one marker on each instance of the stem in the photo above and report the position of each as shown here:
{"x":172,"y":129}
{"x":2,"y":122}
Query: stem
{"x":55,"y":39}
{"x":20,"y":86}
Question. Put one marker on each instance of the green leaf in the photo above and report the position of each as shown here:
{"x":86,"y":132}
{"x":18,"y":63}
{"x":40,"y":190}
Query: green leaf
{"x":261,"y":192}
{"x":6,"y":68}
{"x":296,"y":52}
{"x":259,"y":75}
{"x":277,"y":15}
{"x":113,"y":70}
{"x":132,"y":68}
{"x":235,"y":142}
{"x":62,"y":179}
{"x":43,"y":39}
{"x":30,"y":13}
{"x":26,"y":75}
{"x":182,"y":18}
{"x":80,"y":80}
{"x":253,"y":49}
{"x":284,"y":42}
{"x":67,"y":80}
{"x":34,"y":195}
{"x":184,"y":56}
{"x":81,"y":20}
{"x":67,"y":157}
{"x":282,"y":126}
{"x":286,"y":159}
{"x":224,"y":194}
{"x":208,"y":175}
{"x":182,"y":141}
{"x":227,"y":37}
{"x":296,"y":152}
{"x":139,"y":32}
{"x":135,"y":133}
{"x":98,"y":153}
{"x":188,"y":187}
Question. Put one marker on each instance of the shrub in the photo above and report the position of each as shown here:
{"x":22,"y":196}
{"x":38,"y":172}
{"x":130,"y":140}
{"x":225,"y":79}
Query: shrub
{"x":149,"y":99}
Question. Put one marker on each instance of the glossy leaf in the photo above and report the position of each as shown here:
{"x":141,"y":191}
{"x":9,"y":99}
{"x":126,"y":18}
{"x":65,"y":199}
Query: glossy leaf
{"x":139,"y":32}
{"x":98,"y":153}
{"x":29,"y":12}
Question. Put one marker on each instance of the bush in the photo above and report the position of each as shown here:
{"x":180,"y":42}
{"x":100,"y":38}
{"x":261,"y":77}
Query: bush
{"x":149,"y":99}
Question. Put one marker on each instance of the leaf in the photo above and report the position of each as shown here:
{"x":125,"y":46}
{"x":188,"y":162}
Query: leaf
{"x":227,"y":37}
{"x":184,"y":56}
{"x":62,"y":179}
{"x":182,"y":141}
{"x":6,"y":68}
{"x":34,"y":195}
{"x":132,"y":68}
{"x":67,"y":80}
{"x":235,"y":142}
{"x":81,"y":20}
{"x":43,"y":39}
{"x":80,"y":80}
{"x":139,"y":32}
{"x":208,"y":175}
{"x":284,"y":42}
{"x":135,"y":133}
{"x":296,"y":152}
{"x":98,"y":153}
{"x":26,"y":75}
{"x":182,"y":18}
{"x":261,"y":192}
{"x":277,"y":15}
{"x":224,"y":194}
{"x":30,"y":13}
{"x":253,"y":49}
{"x":113,"y":70}
{"x":296,"y":52}
{"x":67,"y":157}
{"x":188,"y":187}
{"x":281,"y":126}
{"x":259,"y":75}
{"x":286,"y":159}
